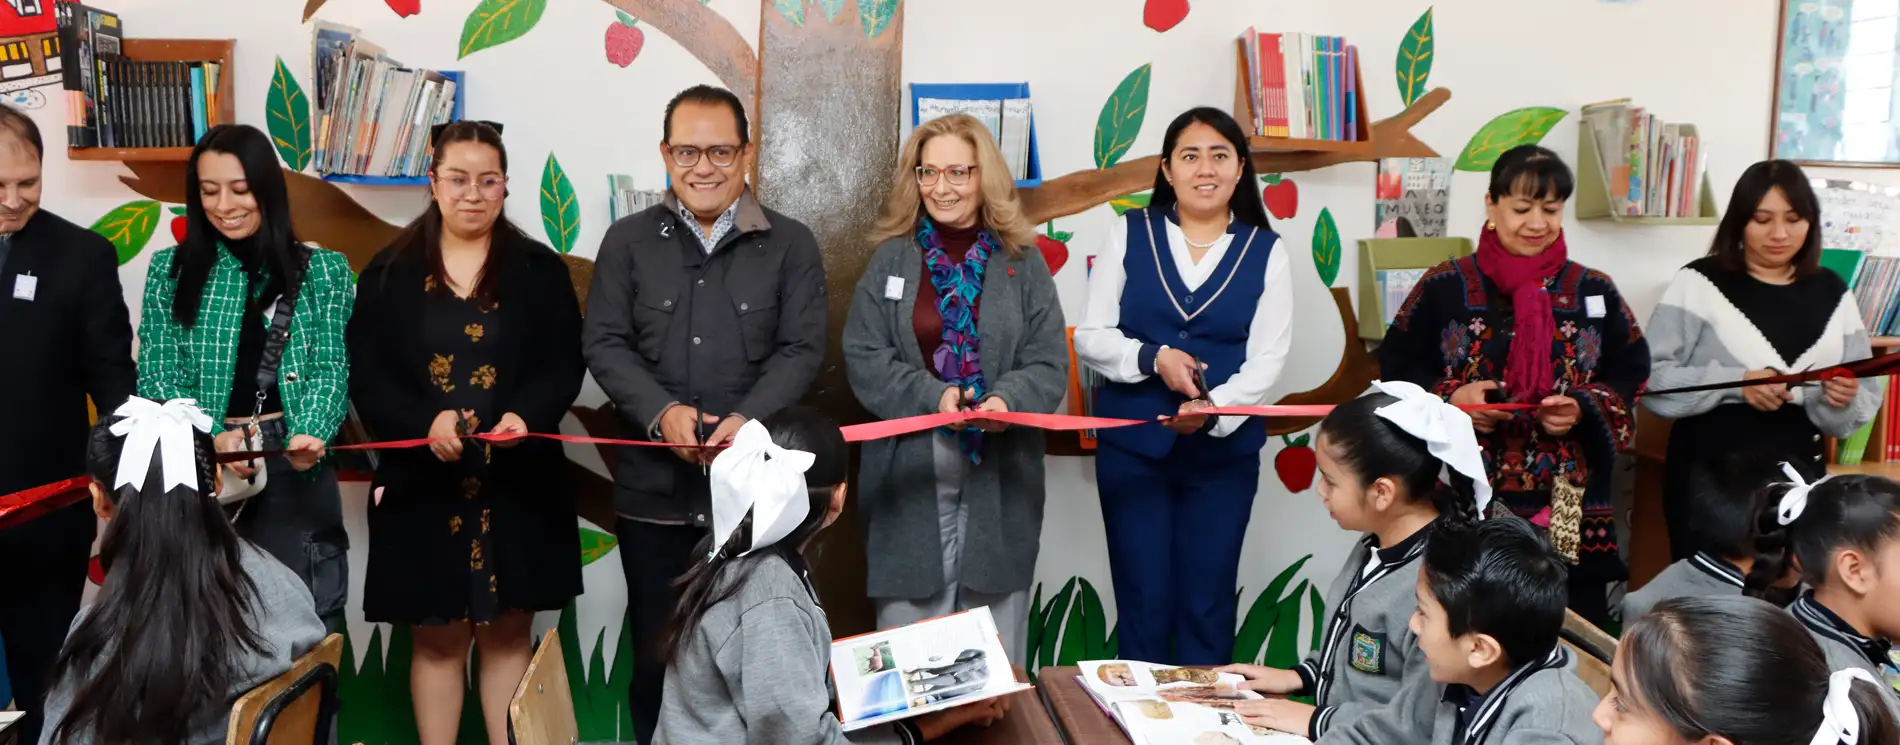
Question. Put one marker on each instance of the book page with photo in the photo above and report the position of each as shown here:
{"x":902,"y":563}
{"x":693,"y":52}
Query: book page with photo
{"x":1165,"y":705}
{"x":927,"y":666}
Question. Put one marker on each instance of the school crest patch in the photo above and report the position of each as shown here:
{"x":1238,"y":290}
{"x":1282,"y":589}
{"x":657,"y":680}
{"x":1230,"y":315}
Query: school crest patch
{"x":1368,"y":651}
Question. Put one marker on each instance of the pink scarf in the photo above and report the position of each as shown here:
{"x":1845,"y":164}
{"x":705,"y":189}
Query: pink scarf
{"x":1528,"y":372}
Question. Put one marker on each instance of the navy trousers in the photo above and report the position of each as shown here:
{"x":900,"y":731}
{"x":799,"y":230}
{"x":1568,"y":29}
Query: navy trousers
{"x":1175,"y":527}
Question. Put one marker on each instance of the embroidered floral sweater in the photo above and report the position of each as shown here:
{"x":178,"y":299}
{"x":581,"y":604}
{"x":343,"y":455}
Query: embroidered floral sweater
{"x":1456,"y":328}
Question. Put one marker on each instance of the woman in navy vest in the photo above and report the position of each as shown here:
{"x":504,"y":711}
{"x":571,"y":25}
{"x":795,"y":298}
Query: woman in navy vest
{"x":1193,"y":292}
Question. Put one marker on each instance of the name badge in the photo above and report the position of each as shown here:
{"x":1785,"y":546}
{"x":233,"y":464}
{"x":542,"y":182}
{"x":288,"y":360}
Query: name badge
{"x":893,"y":288}
{"x":25,"y":286}
{"x":1593,"y":306}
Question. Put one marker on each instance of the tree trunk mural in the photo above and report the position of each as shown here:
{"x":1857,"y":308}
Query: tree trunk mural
{"x":824,"y":94}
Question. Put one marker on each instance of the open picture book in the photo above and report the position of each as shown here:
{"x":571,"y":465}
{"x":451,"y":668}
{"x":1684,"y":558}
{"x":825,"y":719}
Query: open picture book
{"x":1167,"y":705}
{"x":927,"y":666}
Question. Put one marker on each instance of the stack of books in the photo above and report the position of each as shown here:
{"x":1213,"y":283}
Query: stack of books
{"x":373,"y":114}
{"x":626,"y":200}
{"x":112,"y":101}
{"x":1302,"y":86}
{"x":1007,"y":119}
{"x":1655,"y":167}
{"x":1395,"y":285}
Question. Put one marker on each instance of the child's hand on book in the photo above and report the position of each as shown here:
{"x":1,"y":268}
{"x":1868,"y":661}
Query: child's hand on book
{"x":1262,"y":679}
{"x":982,"y":713}
{"x":1277,"y":714}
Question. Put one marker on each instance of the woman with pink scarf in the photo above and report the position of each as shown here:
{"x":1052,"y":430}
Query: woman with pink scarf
{"x":1583,"y":364}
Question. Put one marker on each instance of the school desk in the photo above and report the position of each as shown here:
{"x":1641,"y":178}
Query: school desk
{"x":1082,"y":720}
{"x":1027,"y":723}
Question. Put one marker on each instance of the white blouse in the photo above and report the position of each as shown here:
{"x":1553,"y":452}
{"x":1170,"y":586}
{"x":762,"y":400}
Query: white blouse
{"x":1101,"y":345}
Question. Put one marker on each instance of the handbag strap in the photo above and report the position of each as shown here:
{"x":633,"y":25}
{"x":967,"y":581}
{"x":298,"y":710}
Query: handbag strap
{"x":279,"y":333}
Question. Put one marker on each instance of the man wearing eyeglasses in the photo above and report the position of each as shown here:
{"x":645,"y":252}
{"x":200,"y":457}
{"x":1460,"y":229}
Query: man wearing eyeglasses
{"x":706,"y":310}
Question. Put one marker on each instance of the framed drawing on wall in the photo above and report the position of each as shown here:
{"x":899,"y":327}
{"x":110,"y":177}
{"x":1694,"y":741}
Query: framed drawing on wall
{"x":1837,"y":67}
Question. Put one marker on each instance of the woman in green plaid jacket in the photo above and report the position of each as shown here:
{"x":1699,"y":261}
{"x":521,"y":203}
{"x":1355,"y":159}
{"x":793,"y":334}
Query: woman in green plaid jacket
{"x":203,"y":334}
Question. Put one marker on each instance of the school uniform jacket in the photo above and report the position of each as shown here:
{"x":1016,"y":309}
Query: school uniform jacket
{"x":1702,"y":575}
{"x":1369,"y":651}
{"x":1538,"y":704}
{"x":1846,"y":647}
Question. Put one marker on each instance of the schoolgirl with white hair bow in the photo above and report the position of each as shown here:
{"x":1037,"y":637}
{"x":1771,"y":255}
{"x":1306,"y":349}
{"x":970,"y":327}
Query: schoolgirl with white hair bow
{"x":1730,"y":670}
{"x":1842,"y":533}
{"x":190,"y":616}
{"x":748,"y":648}
{"x":1381,"y":458}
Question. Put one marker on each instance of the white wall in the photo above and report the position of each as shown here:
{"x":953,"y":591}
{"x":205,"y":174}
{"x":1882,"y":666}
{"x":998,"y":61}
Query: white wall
{"x":1701,"y":61}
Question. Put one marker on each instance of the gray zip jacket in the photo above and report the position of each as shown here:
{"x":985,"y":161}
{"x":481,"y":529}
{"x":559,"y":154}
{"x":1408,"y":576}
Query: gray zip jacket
{"x":1369,"y":650}
{"x":1701,"y":575}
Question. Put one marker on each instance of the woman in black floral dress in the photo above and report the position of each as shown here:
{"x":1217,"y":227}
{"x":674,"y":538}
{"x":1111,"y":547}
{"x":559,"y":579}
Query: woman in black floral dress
{"x":465,"y":325}
{"x":1459,"y":335}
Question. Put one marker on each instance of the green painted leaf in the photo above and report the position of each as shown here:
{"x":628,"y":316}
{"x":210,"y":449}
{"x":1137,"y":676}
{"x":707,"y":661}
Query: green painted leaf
{"x":876,"y":15}
{"x":626,"y":19}
{"x":1261,"y":617}
{"x":595,"y":544}
{"x":1075,"y":630}
{"x":1063,"y":236}
{"x":1052,"y":624}
{"x":1520,"y":127}
{"x":177,"y":210}
{"x":129,"y":226}
{"x":287,"y":114}
{"x":1096,"y":629}
{"x":831,"y":8}
{"x":1269,"y":179}
{"x":1326,"y":247}
{"x":1415,"y":59}
{"x":1283,"y":650}
{"x":1318,"y":605}
{"x":1035,"y":633}
{"x":1120,"y":120}
{"x":560,"y":211}
{"x":1122,"y":205}
{"x":497,"y":22}
{"x":793,"y":10}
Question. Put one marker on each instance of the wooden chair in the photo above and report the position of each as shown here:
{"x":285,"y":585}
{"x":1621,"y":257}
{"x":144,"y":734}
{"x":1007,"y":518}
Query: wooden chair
{"x":295,"y":708}
{"x":1593,"y":648}
{"x":542,"y":710}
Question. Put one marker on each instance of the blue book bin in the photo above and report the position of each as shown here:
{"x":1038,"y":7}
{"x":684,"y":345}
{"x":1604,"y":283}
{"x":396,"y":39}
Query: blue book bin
{"x":1032,"y":176}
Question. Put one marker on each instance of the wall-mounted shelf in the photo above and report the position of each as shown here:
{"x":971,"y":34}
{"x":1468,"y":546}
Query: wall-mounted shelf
{"x":1243,"y":111}
{"x":456,"y":114}
{"x":221,"y":51}
{"x":1376,"y":254}
{"x":1593,"y":187}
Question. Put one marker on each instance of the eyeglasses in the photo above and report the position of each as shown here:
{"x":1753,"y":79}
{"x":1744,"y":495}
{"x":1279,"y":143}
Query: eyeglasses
{"x":687,"y":156}
{"x":958,"y":175}
{"x":457,"y":186}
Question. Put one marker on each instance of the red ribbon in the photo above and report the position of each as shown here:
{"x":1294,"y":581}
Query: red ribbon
{"x":22,"y":506}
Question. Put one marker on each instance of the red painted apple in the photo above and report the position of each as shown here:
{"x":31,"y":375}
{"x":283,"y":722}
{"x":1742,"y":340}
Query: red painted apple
{"x":1281,"y":195}
{"x":95,"y":572}
{"x":178,"y":224}
{"x":624,"y":40}
{"x":1296,"y":463}
{"x":1055,"y":247}
{"x":1162,"y":15}
{"x":405,"y":8}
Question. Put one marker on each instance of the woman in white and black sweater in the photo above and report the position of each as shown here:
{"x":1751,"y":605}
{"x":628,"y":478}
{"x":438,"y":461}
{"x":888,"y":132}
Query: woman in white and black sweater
{"x":1757,"y":305}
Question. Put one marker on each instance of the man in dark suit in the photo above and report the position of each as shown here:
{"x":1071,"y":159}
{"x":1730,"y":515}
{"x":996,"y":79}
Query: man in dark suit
{"x":65,"y":335}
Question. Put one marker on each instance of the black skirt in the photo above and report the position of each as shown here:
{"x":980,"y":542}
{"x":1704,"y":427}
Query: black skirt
{"x":1785,"y":434}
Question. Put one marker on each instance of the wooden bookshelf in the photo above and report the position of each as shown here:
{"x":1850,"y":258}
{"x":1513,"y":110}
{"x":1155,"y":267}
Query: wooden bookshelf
{"x":1885,"y":342}
{"x":1887,"y":469}
{"x":222,"y":51}
{"x":1243,"y":111}
{"x":455,"y":115}
{"x":1876,"y":453}
{"x":1593,"y":198}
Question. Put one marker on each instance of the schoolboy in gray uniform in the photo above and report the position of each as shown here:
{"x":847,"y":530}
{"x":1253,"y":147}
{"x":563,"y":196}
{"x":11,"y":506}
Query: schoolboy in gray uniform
{"x":1494,"y":592}
{"x":1370,"y":649}
{"x":1846,"y":647}
{"x":1724,"y":498}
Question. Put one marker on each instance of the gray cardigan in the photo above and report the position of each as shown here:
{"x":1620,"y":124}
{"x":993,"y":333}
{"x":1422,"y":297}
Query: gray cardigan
{"x":1025,"y":358}
{"x":1370,"y":652}
{"x":286,"y":622}
{"x":756,"y":670}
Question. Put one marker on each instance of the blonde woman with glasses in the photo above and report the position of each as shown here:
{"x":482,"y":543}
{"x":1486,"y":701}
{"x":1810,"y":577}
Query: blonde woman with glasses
{"x":955,"y":312}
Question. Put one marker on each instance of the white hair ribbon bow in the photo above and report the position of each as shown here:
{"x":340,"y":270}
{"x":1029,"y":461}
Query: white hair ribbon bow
{"x":1446,"y":430}
{"x":149,"y":425}
{"x":1840,"y":721}
{"x":755,"y":475}
{"x":1795,"y":501}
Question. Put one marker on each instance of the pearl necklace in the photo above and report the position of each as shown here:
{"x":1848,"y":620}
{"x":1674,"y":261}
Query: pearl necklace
{"x":1209,"y":244}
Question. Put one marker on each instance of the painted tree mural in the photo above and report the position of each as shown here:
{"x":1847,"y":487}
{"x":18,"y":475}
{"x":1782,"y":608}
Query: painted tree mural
{"x":823,"y":91}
